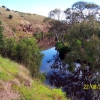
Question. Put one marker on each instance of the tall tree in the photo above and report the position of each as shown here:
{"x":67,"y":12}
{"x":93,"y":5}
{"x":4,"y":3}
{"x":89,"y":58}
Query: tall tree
{"x":93,"y":9}
{"x":72,"y":16}
{"x":81,"y":11}
{"x":56,"y":14}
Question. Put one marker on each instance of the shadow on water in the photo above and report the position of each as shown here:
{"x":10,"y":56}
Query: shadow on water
{"x":82,"y":84}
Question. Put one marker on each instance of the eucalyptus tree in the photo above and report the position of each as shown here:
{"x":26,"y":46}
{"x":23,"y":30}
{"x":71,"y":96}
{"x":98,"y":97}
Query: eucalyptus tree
{"x":93,"y":10}
{"x":83,"y":38}
{"x":72,"y":16}
{"x":56,"y":14}
{"x":80,"y":6}
{"x":81,"y":11}
{"x":58,"y":29}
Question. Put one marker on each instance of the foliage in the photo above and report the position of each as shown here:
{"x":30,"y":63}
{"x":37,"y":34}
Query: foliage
{"x":85,"y":44}
{"x":10,"y":16}
{"x":58,"y":29}
{"x":56,"y":14}
{"x":29,"y":54}
{"x":39,"y":92}
{"x":63,"y":49}
{"x":59,"y":45}
{"x":76,"y":13}
{"x":25,"y":51}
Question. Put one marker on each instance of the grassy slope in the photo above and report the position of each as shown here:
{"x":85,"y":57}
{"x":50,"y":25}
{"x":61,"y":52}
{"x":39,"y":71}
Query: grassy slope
{"x":20,"y":18}
{"x":28,"y":88}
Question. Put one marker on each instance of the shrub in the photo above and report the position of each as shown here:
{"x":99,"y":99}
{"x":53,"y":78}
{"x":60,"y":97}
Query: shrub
{"x":3,"y":6}
{"x":63,"y":51}
{"x":59,"y":45}
{"x":10,"y":16}
{"x":8,"y":9}
{"x":25,"y":51}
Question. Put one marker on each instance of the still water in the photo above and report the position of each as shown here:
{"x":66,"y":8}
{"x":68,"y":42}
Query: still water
{"x":48,"y":54}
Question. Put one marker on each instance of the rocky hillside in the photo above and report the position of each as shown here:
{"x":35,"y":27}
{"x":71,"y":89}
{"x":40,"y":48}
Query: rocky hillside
{"x":18,"y":24}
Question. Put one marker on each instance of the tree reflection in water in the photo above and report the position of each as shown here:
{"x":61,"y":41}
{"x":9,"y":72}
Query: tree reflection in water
{"x":82,"y":84}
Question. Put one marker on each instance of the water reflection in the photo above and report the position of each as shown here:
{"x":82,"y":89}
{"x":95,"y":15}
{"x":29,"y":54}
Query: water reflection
{"x":48,"y":54}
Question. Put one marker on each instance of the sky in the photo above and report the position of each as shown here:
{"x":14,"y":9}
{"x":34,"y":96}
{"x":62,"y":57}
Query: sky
{"x":41,"y":7}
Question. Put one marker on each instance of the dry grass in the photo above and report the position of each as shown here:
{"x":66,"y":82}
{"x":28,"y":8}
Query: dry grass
{"x":18,"y":19}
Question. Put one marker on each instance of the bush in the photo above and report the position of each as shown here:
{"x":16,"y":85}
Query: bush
{"x":25,"y":51}
{"x":59,"y":45}
{"x":8,"y":9}
{"x":3,"y":6}
{"x":10,"y":16}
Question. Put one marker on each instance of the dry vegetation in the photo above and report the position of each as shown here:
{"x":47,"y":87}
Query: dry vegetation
{"x":22,"y":24}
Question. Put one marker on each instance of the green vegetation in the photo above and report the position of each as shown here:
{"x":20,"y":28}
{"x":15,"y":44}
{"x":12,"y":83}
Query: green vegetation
{"x":40,"y":92}
{"x":63,"y":49}
{"x":83,"y":39}
{"x":82,"y":43}
{"x":81,"y":32}
{"x":24,"y":51}
{"x":10,"y":71}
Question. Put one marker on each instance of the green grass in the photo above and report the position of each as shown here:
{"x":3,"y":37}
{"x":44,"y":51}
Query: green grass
{"x":40,"y":92}
{"x":10,"y":71}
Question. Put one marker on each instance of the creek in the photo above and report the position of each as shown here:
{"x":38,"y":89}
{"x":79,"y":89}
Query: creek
{"x":76,"y":84}
{"x":48,"y":54}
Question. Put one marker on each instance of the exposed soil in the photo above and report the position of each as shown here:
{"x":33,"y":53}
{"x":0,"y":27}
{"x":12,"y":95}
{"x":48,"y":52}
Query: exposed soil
{"x":6,"y":91}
